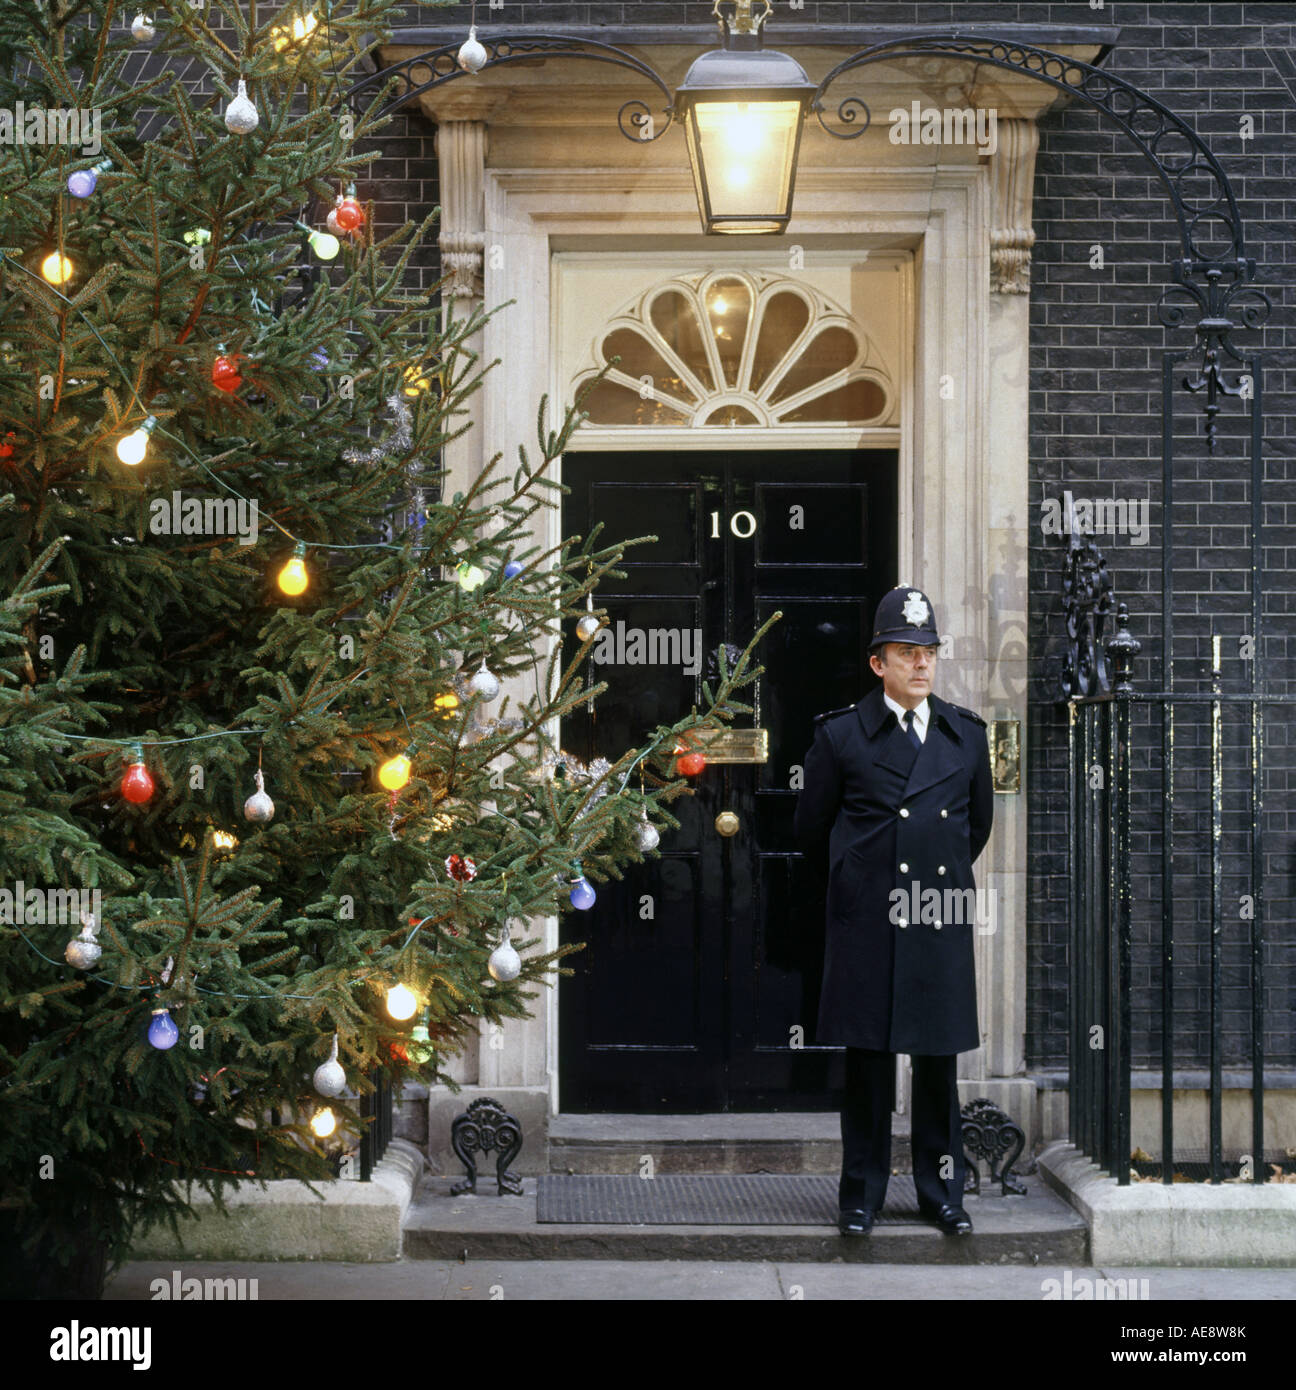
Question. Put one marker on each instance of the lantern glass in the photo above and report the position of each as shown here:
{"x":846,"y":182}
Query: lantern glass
{"x":744,"y":162}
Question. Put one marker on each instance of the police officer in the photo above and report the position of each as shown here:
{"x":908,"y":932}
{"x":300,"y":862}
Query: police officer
{"x":899,"y":784}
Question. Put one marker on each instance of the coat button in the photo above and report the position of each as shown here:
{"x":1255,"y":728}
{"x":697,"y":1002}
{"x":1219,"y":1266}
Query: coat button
{"x":941,"y":870}
{"x":944,"y":815}
{"x":904,"y":868}
{"x":904,"y":811}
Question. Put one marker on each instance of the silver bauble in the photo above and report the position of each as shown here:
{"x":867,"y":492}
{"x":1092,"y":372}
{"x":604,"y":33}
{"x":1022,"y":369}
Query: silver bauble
{"x":646,"y":837}
{"x":505,"y":964}
{"x":241,"y":116}
{"x":587,"y":627}
{"x":472,"y":56}
{"x":83,"y":953}
{"x":258,"y":807}
{"x":142,"y":28}
{"x":485,"y":683}
{"x":330,"y":1078}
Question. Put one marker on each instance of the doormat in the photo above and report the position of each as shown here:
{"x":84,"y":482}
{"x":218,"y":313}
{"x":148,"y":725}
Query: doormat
{"x":709,"y":1199}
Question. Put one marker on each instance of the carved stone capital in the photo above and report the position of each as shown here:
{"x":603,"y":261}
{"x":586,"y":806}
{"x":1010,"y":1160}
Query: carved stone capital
{"x":1013,"y":179}
{"x":461,"y":162}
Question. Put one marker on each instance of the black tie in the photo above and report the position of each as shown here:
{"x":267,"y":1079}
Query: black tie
{"x":911,"y":731}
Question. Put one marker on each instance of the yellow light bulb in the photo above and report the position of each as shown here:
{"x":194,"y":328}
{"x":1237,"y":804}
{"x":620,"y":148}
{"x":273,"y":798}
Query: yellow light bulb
{"x":416,"y":381}
{"x":224,"y":839}
{"x":292,"y":578}
{"x":395,"y":772}
{"x":56,"y":268}
{"x":401,"y":1002}
{"x":447,"y":701}
{"x":324,"y":1123}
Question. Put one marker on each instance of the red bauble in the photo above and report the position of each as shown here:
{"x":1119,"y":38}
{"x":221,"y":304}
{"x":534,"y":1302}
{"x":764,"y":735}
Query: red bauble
{"x":136,"y":784}
{"x":225,"y":374}
{"x":348,"y":214}
{"x":6,"y":445}
{"x":690,"y":764}
{"x":460,"y":869}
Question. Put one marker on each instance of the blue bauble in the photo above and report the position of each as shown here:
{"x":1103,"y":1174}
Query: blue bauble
{"x":512,"y":569}
{"x":82,"y":183}
{"x":582,"y":894}
{"x":162,"y":1031}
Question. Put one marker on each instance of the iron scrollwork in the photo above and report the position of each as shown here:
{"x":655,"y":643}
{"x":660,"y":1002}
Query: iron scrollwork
{"x":484,"y":1126}
{"x":1213,"y":271}
{"x":990,"y":1136}
{"x":424,"y":71}
{"x":1086,"y":604}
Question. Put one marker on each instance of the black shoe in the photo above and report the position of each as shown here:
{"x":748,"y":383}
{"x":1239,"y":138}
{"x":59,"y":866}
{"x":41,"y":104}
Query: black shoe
{"x":856,"y":1223}
{"x":954,"y":1221}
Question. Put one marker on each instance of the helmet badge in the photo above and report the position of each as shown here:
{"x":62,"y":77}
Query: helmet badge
{"x":915,"y":610}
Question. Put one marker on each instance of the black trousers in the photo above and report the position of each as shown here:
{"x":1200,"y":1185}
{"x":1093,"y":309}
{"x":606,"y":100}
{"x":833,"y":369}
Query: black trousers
{"x":936,"y":1134}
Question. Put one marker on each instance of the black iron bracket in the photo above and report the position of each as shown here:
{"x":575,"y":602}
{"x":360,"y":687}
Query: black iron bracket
{"x":484,"y":1126}
{"x":989,"y":1135}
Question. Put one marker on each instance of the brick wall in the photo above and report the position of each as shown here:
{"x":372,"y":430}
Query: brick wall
{"x":1096,"y":343}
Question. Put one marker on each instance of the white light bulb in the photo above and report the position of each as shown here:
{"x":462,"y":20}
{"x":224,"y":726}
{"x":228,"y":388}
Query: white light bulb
{"x":132,"y":447}
{"x":401,"y":1003}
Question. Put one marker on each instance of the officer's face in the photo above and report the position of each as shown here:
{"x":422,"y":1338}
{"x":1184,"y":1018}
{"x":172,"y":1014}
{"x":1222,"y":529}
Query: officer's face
{"x":907,"y":672}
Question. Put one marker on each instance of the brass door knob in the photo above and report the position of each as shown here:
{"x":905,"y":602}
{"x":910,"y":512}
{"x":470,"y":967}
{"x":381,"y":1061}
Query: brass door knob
{"x":726,"y":823}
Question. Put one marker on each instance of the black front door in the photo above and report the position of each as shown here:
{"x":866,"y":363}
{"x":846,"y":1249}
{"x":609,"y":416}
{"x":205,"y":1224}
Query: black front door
{"x":698,"y":987}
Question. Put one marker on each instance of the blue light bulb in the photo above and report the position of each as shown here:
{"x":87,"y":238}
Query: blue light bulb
{"x":582,"y":894}
{"x":162,"y":1031}
{"x":81,"y":184}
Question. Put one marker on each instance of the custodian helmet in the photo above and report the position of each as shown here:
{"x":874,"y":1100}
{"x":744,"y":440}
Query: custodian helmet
{"x":904,"y":615}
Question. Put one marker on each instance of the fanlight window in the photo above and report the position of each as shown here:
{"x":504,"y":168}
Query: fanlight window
{"x":735,"y":349}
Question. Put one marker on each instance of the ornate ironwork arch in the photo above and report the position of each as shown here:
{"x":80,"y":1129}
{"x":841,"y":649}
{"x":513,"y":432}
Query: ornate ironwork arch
{"x":424,"y":71}
{"x":1217,"y":283}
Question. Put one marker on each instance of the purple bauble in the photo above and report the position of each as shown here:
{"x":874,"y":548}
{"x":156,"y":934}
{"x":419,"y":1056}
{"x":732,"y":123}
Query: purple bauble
{"x":82,"y":183}
{"x":582,"y":895}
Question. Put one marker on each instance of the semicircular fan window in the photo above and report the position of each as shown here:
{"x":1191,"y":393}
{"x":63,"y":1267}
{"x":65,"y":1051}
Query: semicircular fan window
{"x":732,"y":348}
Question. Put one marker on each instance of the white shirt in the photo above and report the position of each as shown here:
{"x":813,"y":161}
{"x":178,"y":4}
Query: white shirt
{"x":920,"y":715}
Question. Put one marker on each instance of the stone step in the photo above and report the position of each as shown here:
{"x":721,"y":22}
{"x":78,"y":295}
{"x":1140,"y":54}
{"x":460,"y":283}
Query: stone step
{"x":744,"y":1143}
{"x":1038,"y":1228}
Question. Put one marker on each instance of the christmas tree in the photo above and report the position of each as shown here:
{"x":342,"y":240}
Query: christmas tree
{"x":274,"y":713}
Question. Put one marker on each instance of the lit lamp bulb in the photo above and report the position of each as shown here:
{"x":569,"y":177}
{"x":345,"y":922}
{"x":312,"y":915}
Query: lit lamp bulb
{"x":293,"y":577}
{"x":132,"y":447}
{"x":395,"y":772}
{"x":416,"y":381}
{"x":56,"y":268}
{"x":323,"y":1123}
{"x":302,"y":27}
{"x":401,"y":1003}
{"x":325,"y":245}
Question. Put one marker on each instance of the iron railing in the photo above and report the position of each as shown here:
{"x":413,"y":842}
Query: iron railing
{"x":376,"y":1111}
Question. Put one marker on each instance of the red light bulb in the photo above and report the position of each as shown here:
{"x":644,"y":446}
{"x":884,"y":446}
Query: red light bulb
{"x":348,"y":214}
{"x":136,"y":784}
{"x":6,"y":445}
{"x":690,"y":764}
{"x":225,"y":373}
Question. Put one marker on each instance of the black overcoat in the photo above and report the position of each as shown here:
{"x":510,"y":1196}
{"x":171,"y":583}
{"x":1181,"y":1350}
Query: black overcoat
{"x":898,"y":976}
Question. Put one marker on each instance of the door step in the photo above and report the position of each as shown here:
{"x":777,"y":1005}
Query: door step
{"x":793,"y":1142}
{"x":1038,"y":1228}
